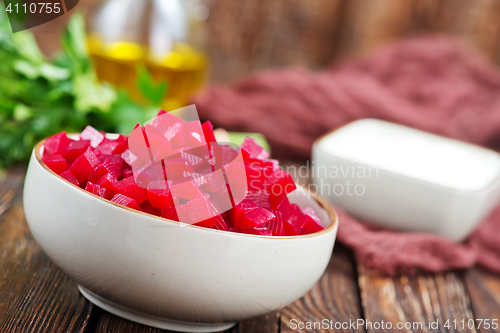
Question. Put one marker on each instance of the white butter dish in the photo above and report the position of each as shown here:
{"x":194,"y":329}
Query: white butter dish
{"x":406,"y":179}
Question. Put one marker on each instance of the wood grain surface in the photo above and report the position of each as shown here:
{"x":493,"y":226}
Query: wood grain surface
{"x":36,"y":296}
{"x":335,"y":298}
{"x":415,"y":301}
{"x":484,"y":291}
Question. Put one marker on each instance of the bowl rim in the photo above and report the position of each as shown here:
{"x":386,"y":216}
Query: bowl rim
{"x":332,"y":214}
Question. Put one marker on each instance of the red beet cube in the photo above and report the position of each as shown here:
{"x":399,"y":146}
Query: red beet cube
{"x":147,"y":208}
{"x":183,"y":214}
{"x":312,"y":222}
{"x":75,"y":149}
{"x":115,"y":158}
{"x":70,"y":177}
{"x":236,"y":213}
{"x":103,"y":169}
{"x":261,"y":198}
{"x":186,"y":190}
{"x":55,"y":162}
{"x":126,"y":201}
{"x":293,"y":219}
{"x":199,"y":210}
{"x":56,"y":144}
{"x":95,"y":137}
{"x":210,"y":222}
{"x":129,"y":188}
{"x":108,"y":181}
{"x":109,"y":147}
{"x":176,"y":168}
{"x":254,"y":149}
{"x":255,"y":217}
{"x":208,"y":132}
{"x":84,"y":165}
{"x":170,"y":213}
{"x":159,"y":194}
{"x":220,"y":224}
{"x":99,"y":191}
{"x":213,"y":182}
{"x":276,"y":225}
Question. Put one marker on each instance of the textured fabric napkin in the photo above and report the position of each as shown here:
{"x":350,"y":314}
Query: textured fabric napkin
{"x":435,"y":84}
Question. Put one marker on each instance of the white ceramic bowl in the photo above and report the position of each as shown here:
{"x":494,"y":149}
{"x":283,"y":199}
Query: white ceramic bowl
{"x":166,"y":274}
{"x":407,"y":179}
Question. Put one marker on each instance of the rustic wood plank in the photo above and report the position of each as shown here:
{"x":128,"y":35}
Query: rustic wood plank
{"x":414,"y":300}
{"x":35,"y":296}
{"x":266,"y":324}
{"x":484,"y":293}
{"x":335,"y":298}
{"x":10,"y":183}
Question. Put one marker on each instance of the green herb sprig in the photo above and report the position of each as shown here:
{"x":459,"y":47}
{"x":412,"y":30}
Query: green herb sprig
{"x":40,"y":97}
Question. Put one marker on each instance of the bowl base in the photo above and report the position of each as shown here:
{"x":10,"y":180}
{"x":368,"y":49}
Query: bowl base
{"x":163,"y":323}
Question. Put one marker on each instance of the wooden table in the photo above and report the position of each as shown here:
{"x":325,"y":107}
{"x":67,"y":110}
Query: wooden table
{"x":36,"y":296}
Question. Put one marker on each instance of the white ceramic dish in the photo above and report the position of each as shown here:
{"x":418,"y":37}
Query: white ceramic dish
{"x":407,"y":179}
{"x":166,"y":274}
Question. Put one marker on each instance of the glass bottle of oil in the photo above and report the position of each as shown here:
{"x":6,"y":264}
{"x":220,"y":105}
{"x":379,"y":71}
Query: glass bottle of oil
{"x":166,"y":36}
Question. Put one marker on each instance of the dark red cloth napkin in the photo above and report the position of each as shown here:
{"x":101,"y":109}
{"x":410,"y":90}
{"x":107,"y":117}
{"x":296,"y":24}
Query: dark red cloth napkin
{"x":435,"y":84}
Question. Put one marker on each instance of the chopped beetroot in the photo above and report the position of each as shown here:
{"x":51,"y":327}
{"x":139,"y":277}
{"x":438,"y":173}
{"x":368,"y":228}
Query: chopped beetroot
{"x":178,"y":141}
{"x":55,"y":162}
{"x":183,"y":214}
{"x":281,"y":184}
{"x":208,"y":132}
{"x":107,"y":167}
{"x":210,"y":222}
{"x":128,"y":157}
{"x":75,"y":149}
{"x":220,"y":224}
{"x":186,"y":190}
{"x":116,"y":159}
{"x":170,"y":213}
{"x":147,"y":208}
{"x":108,"y":181}
{"x":214,"y":181}
{"x":260,"y":197}
{"x":95,"y":137}
{"x":312,"y":222}
{"x":276,"y":225}
{"x":129,"y":188}
{"x":167,"y":123}
{"x":56,"y":144}
{"x":177,"y":167}
{"x":199,"y":209}
{"x":254,"y":149}
{"x":241,"y":209}
{"x":84,"y":165}
{"x":159,"y":194}
{"x":160,"y":147}
{"x":126,"y":201}
{"x":70,"y":177}
{"x":109,"y":147}
{"x":253,"y":218}
{"x":99,"y":191}
{"x":127,"y":173}
{"x":177,"y":170}
{"x":293,"y":219}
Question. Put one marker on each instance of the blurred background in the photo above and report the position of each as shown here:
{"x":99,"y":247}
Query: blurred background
{"x":248,"y":36}
{"x":165,"y":53}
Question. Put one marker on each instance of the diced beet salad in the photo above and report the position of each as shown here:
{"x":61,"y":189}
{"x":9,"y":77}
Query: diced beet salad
{"x":103,"y":167}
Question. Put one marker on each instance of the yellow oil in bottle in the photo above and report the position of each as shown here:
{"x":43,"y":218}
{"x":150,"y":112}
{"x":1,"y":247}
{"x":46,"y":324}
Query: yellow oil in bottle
{"x":184,"y":69}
